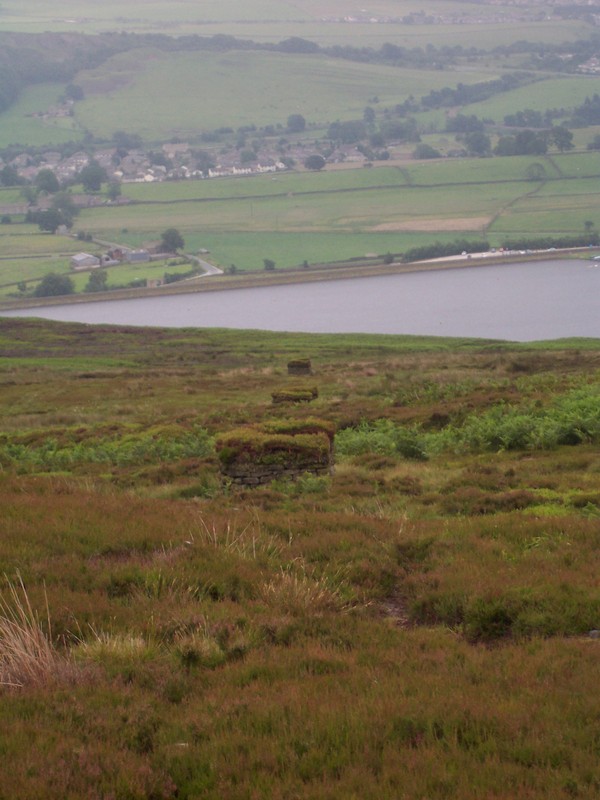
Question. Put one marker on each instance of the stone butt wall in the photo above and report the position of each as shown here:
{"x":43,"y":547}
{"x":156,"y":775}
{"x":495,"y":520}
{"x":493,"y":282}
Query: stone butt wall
{"x":280,"y":449}
{"x":257,"y":475}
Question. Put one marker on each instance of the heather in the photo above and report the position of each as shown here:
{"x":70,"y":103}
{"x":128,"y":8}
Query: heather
{"x":415,"y":623}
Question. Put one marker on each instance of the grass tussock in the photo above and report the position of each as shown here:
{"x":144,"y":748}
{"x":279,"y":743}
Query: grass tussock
{"x":295,"y":593}
{"x":247,"y":541}
{"x":27,"y":655}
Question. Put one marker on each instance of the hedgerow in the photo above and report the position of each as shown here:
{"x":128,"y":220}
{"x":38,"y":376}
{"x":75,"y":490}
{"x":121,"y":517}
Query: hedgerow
{"x":440,"y":249}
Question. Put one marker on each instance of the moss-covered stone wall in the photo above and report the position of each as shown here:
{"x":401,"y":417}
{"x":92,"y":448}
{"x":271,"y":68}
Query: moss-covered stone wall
{"x":254,"y":455}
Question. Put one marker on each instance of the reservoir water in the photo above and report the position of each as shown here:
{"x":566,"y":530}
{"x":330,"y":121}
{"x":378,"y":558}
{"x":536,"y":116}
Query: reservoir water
{"x":521,"y":302}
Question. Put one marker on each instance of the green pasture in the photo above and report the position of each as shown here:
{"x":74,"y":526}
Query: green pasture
{"x":89,"y":16}
{"x":231,"y":11}
{"x":273,"y":21}
{"x":10,"y":195}
{"x":476,"y":170}
{"x":344,"y":211}
{"x":26,"y":254}
{"x":576,"y":165}
{"x":586,"y":188}
{"x":551,"y":93}
{"x":125,"y":273}
{"x":347,"y":186}
{"x":31,"y":270}
{"x":15,"y":270}
{"x":159,"y":95}
{"x":557,"y":208}
{"x":290,"y":249}
{"x":445,"y":200}
{"x":27,"y":240}
{"x":486,"y":36}
{"x":584,"y":136}
{"x":18,"y":126}
{"x":327,"y":216}
{"x":532,"y":222}
{"x":268,"y":184}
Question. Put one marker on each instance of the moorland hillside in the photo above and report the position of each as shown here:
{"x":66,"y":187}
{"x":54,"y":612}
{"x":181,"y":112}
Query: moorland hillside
{"x":417,"y":621}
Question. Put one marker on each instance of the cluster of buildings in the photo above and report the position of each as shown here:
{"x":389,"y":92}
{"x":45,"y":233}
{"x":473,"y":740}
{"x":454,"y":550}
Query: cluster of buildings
{"x":171,"y":162}
{"x":178,"y":161}
{"x":592,"y":65}
{"x":86,"y":261}
{"x":521,"y":13}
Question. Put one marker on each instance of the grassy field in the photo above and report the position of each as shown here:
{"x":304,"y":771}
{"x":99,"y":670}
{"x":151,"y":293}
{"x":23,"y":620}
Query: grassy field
{"x":126,"y":273}
{"x":553,"y":211}
{"x":317,"y":227}
{"x":478,"y":170}
{"x":415,"y":623}
{"x":578,"y":165}
{"x":27,"y":255}
{"x":552,"y":93}
{"x":375,"y":211}
{"x":267,"y":20}
{"x":27,"y":240}
{"x":325,"y":211}
{"x":240,"y":88}
{"x":247,"y":250}
{"x":10,"y":195}
{"x":323,"y":217}
{"x":33,"y":16}
{"x":18,"y":126}
{"x":484,"y":35}
{"x":259,"y":185}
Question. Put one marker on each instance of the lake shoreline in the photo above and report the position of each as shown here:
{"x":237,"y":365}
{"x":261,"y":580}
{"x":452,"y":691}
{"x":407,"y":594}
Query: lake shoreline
{"x":535,"y":300}
{"x":222,"y":283}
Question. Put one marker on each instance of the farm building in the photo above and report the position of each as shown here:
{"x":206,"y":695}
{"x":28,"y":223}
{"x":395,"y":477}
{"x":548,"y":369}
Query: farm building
{"x":137,"y":256}
{"x":107,"y":261}
{"x":84,"y":261}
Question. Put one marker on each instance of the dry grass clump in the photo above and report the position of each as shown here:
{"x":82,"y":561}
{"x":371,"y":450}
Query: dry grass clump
{"x":249,"y":541}
{"x":199,"y":649}
{"x":27,"y":654}
{"x":301,"y":593}
{"x":106,"y":646}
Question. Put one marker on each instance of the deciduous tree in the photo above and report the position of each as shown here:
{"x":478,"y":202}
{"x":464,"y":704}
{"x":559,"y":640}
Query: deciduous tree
{"x":97,"y":281}
{"x":9,"y":176}
{"x":315,"y":162}
{"x":296,"y":123}
{"x":49,"y":220}
{"x":92,"y":177}
{"x":171,"y":240}
{"x":561,"y":138}
{"x":46,"y":181}
{"x":53,"y":285}
{"x":114,"y":190}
